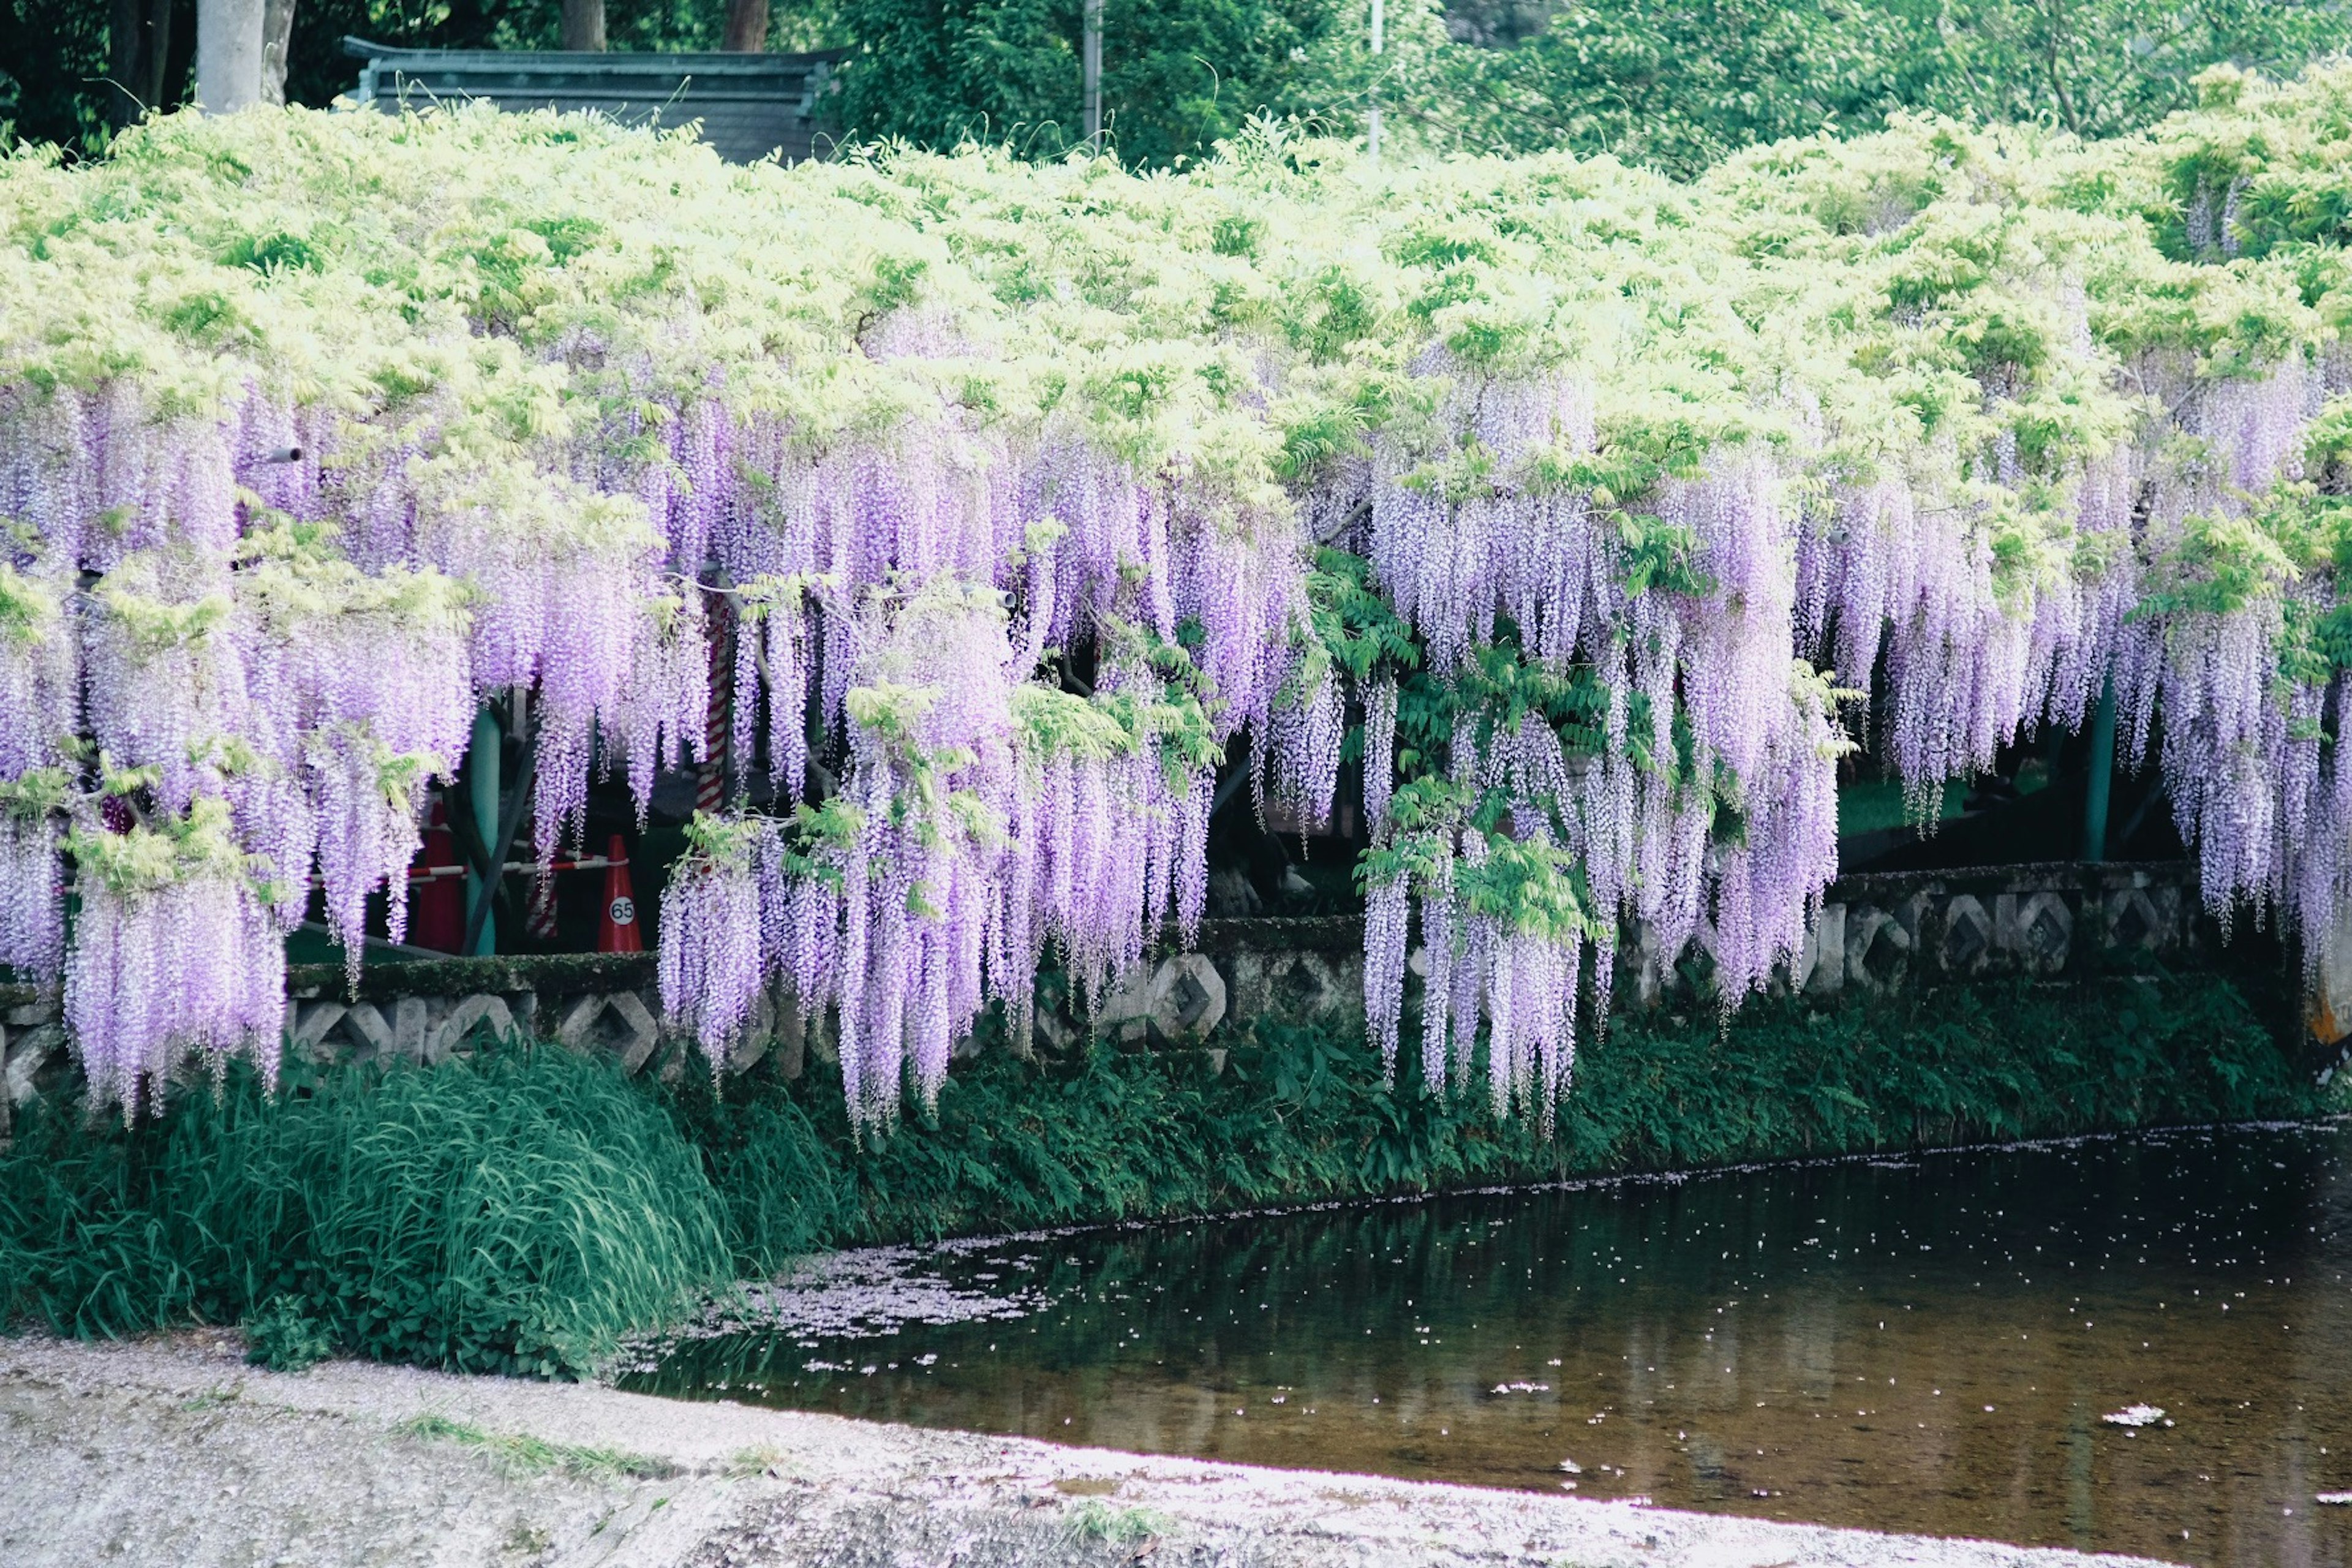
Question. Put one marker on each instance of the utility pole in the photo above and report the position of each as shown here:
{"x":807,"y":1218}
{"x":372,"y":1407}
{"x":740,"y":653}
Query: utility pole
{"x":1372,"y":122}
{"x":228,"y":55}
{"x":1092,"y":57}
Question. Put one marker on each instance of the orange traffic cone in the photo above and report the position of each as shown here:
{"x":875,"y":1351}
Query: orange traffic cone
{"x":618,"y":932}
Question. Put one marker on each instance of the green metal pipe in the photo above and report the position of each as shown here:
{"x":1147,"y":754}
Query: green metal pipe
{"x":482,"y":788}
{"x":2102,"y":777}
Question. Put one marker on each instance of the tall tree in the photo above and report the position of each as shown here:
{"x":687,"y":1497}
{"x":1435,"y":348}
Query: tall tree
{"x":582,"y":26}
{"x":936,"y":71}
{"x":139,"y":41}
{"x":1177,"y":75}
{"x":276,"y":43}
{"x":228,"y":53}
{"x":747,"y":26}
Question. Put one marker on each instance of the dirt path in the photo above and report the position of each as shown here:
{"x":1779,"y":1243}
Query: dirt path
{"x":174,"y":1452}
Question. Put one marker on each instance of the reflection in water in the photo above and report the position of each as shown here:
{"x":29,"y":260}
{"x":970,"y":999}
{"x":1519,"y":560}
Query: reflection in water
{"x":1925,"y":1344}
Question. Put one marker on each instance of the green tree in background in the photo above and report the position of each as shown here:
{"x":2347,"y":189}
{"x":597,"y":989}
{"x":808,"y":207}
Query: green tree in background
{"x":939,"y":72}
{"x":2103,"y":67}
{"x":1680,"y":83}
{"x":1178,"y":75}
{"x":1672,"y":83}
{"x":53,"y":71}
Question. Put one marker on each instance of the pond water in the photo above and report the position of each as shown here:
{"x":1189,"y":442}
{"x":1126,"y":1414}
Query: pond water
{"x":1926,"y":1344}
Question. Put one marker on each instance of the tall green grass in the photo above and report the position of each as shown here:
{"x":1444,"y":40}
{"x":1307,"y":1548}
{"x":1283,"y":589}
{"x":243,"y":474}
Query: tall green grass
{"x":524,"y":1209}
{"x":520,"y":1211}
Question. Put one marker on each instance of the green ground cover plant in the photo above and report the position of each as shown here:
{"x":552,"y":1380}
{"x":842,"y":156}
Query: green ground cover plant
{"x":524,"y":1209}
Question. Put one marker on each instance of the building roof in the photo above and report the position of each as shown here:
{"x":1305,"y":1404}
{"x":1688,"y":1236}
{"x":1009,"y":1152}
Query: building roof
{"x":749,"y":105}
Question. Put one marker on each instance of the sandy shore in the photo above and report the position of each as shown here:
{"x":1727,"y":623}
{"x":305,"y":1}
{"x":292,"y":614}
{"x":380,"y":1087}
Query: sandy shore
{"x":174,"y":1452}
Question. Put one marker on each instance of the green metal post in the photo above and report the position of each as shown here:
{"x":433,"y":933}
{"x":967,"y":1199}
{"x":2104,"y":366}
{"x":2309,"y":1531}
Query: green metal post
{"x":2103,"y":774}
{"x":482,"y":784}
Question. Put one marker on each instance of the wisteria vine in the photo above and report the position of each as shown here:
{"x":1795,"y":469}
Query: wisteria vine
{"x":1580,"y":519}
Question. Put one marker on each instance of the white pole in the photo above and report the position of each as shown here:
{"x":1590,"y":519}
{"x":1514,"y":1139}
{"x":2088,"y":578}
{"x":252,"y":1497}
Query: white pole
{"x":1093,"y":68}
{"x":228,"y":53}
{"x":1372,"y":130}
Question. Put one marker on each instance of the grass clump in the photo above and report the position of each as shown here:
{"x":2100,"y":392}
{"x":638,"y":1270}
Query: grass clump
{"x":761,"y":1459}
{"x":519,"y":1211}
{"x":1095,"y":1520}
{"x":529,"y":1455}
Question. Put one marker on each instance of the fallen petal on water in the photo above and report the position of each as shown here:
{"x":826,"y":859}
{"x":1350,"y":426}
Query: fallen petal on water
{"x":2135,"y":1416}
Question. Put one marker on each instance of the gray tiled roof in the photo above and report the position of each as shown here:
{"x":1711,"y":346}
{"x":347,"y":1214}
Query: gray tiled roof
{"x":749,"y":105}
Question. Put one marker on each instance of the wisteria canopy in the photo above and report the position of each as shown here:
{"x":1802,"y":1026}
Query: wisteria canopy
{"x":1597,"y":514}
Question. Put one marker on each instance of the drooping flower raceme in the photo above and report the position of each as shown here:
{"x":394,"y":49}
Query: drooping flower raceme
{"x":173,"y":950}
{"x":982,"y":819}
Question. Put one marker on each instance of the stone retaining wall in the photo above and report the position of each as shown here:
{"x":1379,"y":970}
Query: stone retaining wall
{"x":1877,"y":934}
{"x":424,"y":1010}
{"x":1874,"y":935}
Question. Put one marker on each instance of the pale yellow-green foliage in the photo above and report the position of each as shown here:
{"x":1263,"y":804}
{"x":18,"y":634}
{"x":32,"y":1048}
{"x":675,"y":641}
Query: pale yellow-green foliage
{"x":170,"y":850}
{"x":516,"y":297}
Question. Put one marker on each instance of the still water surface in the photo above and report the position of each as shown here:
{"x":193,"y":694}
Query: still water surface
{"x":1926,"y":1344}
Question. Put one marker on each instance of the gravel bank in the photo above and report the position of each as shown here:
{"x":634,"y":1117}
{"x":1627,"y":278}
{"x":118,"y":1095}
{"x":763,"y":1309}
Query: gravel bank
{"x":174,"y":1452}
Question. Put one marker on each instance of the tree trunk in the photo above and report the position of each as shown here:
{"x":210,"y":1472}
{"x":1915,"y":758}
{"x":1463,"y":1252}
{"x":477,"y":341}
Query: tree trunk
{"x":228,"y":55}
{"x":1090,"y":72}
{"x":277,"y":39}
{"x":747,"y":26}
{"x":139,"y":40}
{"x":584,"y":25}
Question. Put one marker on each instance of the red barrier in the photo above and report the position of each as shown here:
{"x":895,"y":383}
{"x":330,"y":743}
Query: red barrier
{"x":436,"y":908}
{"x":617,"y":930}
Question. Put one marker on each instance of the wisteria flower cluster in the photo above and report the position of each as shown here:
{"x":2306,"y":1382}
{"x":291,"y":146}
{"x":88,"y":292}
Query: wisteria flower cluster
{"x":1576,"y":521}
